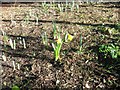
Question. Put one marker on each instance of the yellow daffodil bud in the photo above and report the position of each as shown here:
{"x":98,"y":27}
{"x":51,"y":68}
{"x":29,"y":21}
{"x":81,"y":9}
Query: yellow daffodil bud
{"x":5,"y":38}
{"x":70,"y":37}
{"x":59,"y":41}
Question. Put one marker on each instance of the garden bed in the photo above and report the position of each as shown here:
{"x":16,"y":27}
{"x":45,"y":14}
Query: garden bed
{"x":31,"y":63}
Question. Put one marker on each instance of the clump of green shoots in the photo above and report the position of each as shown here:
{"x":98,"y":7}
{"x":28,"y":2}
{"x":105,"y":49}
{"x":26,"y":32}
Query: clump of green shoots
{"x":26,"y":19}
{"x":80,"y":45}
{"x":117,"y":26}
{"x":61,"y":8}
{"x":8,"y":41}
{"x":57,"y":44}
{"x":12,"y":43}
{"x":57,"y":47}
{"x":109,"y":50}
{"x":72,"y":5}
{"x":45,"y":7}
{"x":54,"y":31}
{"x":5,"y":38}
{"x":44,"y":38}
{"x":24,"y":43}
{"x":15,"y":87}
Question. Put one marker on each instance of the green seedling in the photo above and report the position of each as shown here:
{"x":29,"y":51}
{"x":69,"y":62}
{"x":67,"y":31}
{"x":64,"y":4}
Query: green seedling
{"x":30,"y":13}
{"x":72,"y":6}
{"x":13,"y":22}
{"x":14,"y":66}
{"x":117,"y":26}
{"x":14,"y":44}
{"x":26,"y":20}
{"x":4,"y":57}
{"x":57,"y":47}
{"x":3,"y":33}
{"x":107,"y":30}
{"x":15,"y":87}
{"x":54,"y":31}
{"x":111,"y":50}
{"x":66,"y":4}
{"x":66,"y":37}
{"x":5,"y":40}
{"x":11,"y":43}
{"x":45,"y":7}
{"x":37,"y":20}
{"x":80,"y":45}
{"x":18,"y":66}
{"x":44,"y":38}
{"x":5,"y":37}
{"x":20,"y":40}
{"x":61,"y":8}
{"x":24,"y":43}
{"x":77,"y":7}
{"x":8,"y":41}
{"x":110,"y":53}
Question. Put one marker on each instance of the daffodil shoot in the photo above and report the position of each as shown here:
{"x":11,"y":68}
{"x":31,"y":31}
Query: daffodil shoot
{"x":57,"y":47}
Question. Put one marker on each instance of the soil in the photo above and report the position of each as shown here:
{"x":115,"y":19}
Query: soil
{"x":34,"y":66}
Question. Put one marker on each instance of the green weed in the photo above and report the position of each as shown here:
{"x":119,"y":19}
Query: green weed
{"x":110,"y":50}
{"x":117,"y":26}
{"x":15,"y":87}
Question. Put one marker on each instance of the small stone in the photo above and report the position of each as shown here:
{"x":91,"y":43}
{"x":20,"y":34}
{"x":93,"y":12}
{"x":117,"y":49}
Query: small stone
{"x":57,"y":82}
{"x":4,"y":58}
{"x":49,"y":65}
{"x":72,"y":68}
{"x":87,"y":85}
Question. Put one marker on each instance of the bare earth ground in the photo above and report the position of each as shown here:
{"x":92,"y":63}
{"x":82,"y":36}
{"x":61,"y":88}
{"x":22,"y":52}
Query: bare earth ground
{"x":37,"y":68}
